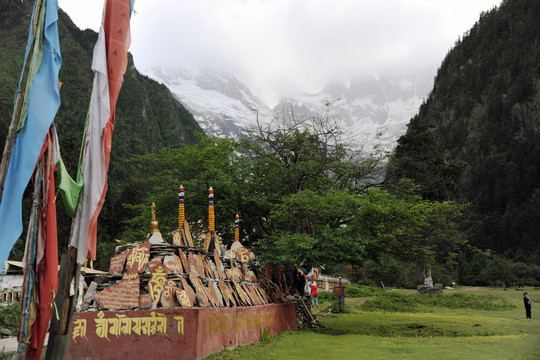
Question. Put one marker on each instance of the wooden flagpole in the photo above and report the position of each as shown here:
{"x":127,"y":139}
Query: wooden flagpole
{"x":70,"y":271}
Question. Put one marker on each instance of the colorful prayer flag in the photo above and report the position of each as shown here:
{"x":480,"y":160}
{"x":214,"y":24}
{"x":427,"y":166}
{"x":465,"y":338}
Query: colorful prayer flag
{"x":46,"y":264}
{"x":109,"y":63}
{"x":42,"y":104}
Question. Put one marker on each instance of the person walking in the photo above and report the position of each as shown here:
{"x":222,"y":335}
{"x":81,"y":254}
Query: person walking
{"x":528,"y":304}
{"x":314,"y":294}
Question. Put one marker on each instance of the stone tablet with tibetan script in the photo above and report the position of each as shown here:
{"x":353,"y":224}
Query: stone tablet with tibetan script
{"x":224,"y":292}
{"x":156,"y":262}
{"x":119,"y":297}
{"x":117,"y":263}
{"x":199,"y":290}
{"x":232,"y":295}
{"x":177,"y":238}
{"x":157,"y":283}
{"x":193,"y":269}
{"x":207,"y":240}
{"x":253,"y":277}
{"x":242,"y":254}
{"x":138,"y":258}
{"x":212,"y":269}
{"x":187,"y":235}
{"x":247,"y":294}
{"x":185,"y":262}
{"x":255,"y":296}
{"x":208,"y":268}
{"x":263,"y":294}
{"x":216,"y":292}
{"x":219,"y":264}
{"x":216,"y":241}
{"x":255,"y":289}
{"x":131,"y":279}
{"x":183,"y":298}
{"x":145,"y":302}
{"x":168,"y":297}
{"x":234,"y":274}
{"x":189,"y":291}
{"x":199,"y":263}
{"x":240,"y":293}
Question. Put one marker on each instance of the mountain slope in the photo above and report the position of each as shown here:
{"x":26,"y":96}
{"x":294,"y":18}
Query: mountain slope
{"x":368,"y":107}
{"x":222,"y":105}
{"x":484,"y":114}
{"x":225,"y":107}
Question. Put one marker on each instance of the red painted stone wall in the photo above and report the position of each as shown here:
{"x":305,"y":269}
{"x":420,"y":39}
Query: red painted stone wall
{"x":174,"y":333}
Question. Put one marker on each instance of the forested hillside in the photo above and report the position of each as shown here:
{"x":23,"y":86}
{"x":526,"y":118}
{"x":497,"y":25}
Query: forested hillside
{"x":148,"y":117}
{"x":477,"y":137}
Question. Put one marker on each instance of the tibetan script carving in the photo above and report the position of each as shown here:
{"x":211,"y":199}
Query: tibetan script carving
{"x":119,"y":296}
{"x":79,"y":329}
{"x":157,"y":283}
{"x":155,"y":263}
{"x":172,"y":264}
{"x":168,"y":297}
{"x":117,"y":263}
{"x":177,"y":238}
{"x":138,"y":258}
{"x":123,"y":325}
{"x":183,"y":298}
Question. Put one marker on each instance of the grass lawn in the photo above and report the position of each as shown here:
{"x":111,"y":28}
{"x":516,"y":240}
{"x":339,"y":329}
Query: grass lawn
{"x":430,"y":332}
{"x":490,"y":324}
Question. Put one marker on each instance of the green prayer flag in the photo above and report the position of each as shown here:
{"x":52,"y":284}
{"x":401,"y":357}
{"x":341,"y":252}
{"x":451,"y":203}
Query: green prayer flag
{"x":69,"y":189}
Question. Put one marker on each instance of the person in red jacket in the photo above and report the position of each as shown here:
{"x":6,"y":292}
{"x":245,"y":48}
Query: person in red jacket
{"x":314,"y":294}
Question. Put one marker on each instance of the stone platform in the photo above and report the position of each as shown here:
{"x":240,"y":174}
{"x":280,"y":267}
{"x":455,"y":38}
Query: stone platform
{"x":174,"y":333}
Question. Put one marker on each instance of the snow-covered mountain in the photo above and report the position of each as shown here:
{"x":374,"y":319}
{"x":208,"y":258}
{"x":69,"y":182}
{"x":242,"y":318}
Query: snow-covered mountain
{"x":367,"y":107}
{"x":221,"y":104}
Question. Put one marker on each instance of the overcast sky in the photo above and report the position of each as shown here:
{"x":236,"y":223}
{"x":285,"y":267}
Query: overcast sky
{"x":277,"y":45}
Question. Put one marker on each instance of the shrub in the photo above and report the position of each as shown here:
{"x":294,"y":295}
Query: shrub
{"x":465,"y":301}
{"x":390,"y":301}
{"x":355,"y":291}
{"x":442,"y":275}
{"x":10,"y":317}
{"x":396,"y":302}
{"x":326,"y":295}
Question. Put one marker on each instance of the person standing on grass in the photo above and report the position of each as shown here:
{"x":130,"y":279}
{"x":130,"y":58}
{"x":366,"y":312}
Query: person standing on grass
{"x":314,"y":294}
{"x":528,"y":304}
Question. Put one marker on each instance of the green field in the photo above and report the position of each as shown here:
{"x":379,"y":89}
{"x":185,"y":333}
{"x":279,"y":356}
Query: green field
{"x":483,"y":323}
{"x":464,"y":323}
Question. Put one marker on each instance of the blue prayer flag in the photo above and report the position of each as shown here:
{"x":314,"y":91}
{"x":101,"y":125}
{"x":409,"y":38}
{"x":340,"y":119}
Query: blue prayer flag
{"x":43,"y":103}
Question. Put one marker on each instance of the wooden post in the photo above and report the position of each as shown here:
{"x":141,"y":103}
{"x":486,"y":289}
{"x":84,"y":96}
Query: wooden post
{"x":339,"y":292}
{"x":60,"y":329}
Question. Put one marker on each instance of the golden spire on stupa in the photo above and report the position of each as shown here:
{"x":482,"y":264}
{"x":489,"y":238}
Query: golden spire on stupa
{"x":154,"y":223}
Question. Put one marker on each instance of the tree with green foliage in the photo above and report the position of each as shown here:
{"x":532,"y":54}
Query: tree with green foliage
{"x":343,"y":227}
{"x":303,"y":195}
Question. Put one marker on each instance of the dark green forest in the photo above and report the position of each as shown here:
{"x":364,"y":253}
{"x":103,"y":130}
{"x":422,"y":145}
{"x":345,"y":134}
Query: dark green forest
{"x":476,"y":138}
